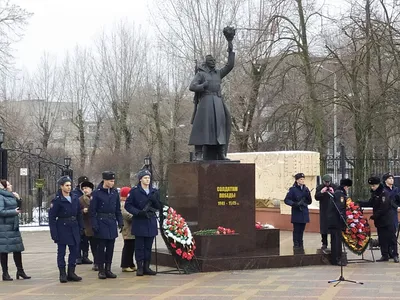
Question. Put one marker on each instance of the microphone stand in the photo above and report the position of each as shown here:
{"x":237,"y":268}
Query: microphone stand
{"x":341,"y":277}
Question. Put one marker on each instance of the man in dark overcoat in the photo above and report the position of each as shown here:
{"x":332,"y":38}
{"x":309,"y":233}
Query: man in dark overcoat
{"x":323,"y":197}
{"x":87,"y":188}
{"x":388,"y":184}
{"x":382,"y":214}
{"x":299,"y":198}
{"x":143,"y":201}
{"x":336,"y":220}
{"x":212,"y":121}
{"x":65,"y":221}
{"x":84,"y":245}
{"x":106,"y":218}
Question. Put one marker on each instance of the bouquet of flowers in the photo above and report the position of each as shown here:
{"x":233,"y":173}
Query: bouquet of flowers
{"x":177,"y":234}
{"x":219,"y":231}
{"x":356,"y":236}
{"x":260,"y":226}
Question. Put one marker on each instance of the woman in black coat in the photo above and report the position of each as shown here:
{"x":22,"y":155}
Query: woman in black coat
{"x":10,"y":237}
{"x":299,"y":198}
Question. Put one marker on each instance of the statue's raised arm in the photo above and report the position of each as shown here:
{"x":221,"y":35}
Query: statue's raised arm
{"x":229,"y":33}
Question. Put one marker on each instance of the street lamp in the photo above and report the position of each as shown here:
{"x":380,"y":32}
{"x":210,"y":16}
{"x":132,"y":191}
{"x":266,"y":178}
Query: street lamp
{"x":335,"y":96}
{"x":147,"y":162}
{"x":1,"y":137}
{"x":38,"y":150}
{"x":67,"y":162}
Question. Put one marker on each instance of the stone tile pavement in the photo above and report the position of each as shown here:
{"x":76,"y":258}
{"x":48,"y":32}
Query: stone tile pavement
{"x":381,"y":280}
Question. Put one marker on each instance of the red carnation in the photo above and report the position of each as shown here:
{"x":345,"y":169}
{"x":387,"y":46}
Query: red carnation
{"x":348,"y":213}
{"x":178,"y":251}
{"x":353,"y":236}
{"x":354,"y":229}
{"x":173,"y":245}
{"x":360,"y":236}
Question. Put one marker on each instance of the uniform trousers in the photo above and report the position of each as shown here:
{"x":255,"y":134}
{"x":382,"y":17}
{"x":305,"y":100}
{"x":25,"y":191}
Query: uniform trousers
{"x":336,"y":245}
{"x":93,"y":247}
{"x":143,"y":245}
{"x":387,"y":240}
{"x":105,"y":251}
{"x":73,"y":254}
{"x":127,"y":253}
{"x":298,"y":232}
{"x":84,"y":246}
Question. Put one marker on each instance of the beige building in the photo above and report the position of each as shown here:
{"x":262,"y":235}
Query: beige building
{"x":37,"y":117}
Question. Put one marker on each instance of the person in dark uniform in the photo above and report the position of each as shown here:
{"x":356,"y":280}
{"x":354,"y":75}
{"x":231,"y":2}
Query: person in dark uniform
{"x":388,"y":184}
{"x":65,"y":221}
{"x":323,"y":197}
{"x":105,"y":214}
{"x":382,"y":214}
{"x":84,"y":245}
{"x":336,"y":220}
{"x":84,"y":201}
{"x":299,"y":198}
{"x":142,"y":202}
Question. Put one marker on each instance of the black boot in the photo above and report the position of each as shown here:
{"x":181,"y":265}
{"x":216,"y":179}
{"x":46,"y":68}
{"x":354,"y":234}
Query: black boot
{"x":79,"y":261}
{"x":221,"y":153}
{"x":21,"y":273}
{"x":95,"y":267}
{"x":6,"y":276}
{"x":71,"y":274}
{"x":102,"y":272}
{"x":147,"y":270}
{"x":139,"y":271}
{"x":85,"y":259}
{"x":109,"y":274}
{"x":63,"y":275}
{"x":198,"y":153}
{"x":383,"y":258}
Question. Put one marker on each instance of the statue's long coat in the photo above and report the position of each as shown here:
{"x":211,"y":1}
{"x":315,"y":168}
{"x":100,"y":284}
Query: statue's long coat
{"x":212,"y":122}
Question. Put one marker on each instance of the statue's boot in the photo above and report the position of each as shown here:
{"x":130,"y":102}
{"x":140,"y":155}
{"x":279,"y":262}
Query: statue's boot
{"x":221,"y":153}
{"x":198,"y":153}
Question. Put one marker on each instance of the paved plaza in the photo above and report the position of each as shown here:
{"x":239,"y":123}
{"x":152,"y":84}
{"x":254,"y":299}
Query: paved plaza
{"x":381,"y":280}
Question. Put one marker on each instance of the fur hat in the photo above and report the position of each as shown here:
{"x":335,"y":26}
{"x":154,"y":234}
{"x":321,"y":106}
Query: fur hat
{"x":299,"y":175}
{"x":82,"y":179}
{"x":87,"y":184}
{"x":374,"y":180}
{"x":143,"y":173}
{"x":108,"y":175}
{"x":63,"y":180}
{"x":387,"y":176}
{"x":346,"y":182}
{"x":124,"y":192}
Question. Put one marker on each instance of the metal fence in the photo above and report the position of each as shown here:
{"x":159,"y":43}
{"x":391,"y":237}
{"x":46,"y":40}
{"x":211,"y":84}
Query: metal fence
{"x":35,"y":180}
{"x":359,"y":170}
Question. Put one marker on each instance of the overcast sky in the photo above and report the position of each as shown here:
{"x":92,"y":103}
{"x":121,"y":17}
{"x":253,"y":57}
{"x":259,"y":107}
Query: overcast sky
{"x":59,"y":25}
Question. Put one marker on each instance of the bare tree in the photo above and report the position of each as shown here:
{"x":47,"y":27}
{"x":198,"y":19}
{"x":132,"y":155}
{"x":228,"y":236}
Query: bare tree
{"x":13,"y":20}
{"x":47,"y":86}
{"x":121,"y":58}
{"x":78,"y":83}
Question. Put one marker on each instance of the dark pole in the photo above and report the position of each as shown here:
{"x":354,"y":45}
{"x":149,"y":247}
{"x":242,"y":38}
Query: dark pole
{"x":29,"y":173}
{"x":40,"y":189}
{"x":342,"y":161}
{"x":4,"y":164}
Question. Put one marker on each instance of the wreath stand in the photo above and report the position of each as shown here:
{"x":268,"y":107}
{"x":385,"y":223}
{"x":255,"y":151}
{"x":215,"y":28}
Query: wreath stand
{"x":174,"y":271}
{"x":362,"y":259}
{"x":177,"y":270}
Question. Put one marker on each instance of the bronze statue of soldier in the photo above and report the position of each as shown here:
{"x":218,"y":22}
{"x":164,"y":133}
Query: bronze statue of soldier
{"x":211,"y":119}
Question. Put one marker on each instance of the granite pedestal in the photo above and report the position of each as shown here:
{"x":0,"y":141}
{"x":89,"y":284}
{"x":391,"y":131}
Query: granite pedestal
{"x":212,"y":194}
